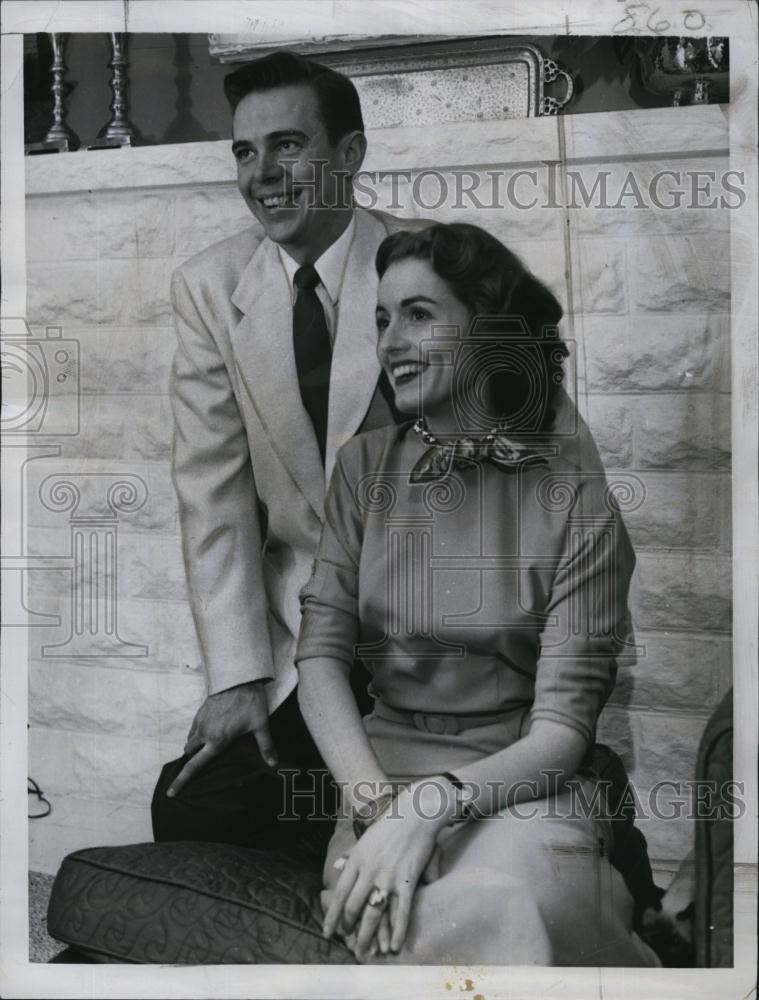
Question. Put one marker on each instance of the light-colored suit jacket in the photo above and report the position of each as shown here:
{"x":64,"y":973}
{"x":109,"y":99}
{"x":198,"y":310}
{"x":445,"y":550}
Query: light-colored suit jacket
{"x":246,"y":464}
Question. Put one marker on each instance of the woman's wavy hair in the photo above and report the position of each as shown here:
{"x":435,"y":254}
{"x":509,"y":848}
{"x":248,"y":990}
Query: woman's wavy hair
{"x":514,"y":318}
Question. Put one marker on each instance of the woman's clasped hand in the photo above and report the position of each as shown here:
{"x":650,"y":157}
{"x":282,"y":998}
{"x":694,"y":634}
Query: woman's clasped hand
{"x":372,"y":901}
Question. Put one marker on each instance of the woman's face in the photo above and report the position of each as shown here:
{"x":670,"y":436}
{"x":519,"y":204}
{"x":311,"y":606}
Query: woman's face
{"x":414,"y":305}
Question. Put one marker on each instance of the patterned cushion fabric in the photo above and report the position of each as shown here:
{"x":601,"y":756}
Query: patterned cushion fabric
{"x":189,"y":903}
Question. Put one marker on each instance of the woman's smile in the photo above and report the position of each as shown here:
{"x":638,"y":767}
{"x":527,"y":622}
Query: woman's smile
{"x":420,"y":324}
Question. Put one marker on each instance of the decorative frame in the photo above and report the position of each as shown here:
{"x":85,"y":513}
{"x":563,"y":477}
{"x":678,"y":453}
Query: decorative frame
{"x":360,"y":56}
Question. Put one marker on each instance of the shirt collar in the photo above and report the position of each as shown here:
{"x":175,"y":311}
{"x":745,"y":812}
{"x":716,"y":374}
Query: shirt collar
{"x":331,"y":265}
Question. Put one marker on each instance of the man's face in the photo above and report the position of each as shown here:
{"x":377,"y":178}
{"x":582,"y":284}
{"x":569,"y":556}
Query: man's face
{"x":288,"y":172}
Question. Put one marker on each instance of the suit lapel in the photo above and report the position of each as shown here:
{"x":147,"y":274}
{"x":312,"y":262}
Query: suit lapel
{"x":263,"y":349}
{"x":355,"y":368}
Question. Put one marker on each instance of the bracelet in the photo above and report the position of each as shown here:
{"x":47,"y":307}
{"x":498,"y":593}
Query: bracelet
{"x":464,"y":799}
{"x":364,"y":816}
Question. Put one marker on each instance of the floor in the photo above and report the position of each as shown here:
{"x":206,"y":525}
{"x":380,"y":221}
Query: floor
{"x":41,"y":946}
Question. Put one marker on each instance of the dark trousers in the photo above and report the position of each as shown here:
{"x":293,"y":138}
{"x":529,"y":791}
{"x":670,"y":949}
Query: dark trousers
{"x":238,"y":799}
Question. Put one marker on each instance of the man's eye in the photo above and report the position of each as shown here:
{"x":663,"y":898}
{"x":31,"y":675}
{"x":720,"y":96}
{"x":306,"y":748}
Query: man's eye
{"x":382,"y":322}
{"x":244,"y":155}
{"x":288,"y":145}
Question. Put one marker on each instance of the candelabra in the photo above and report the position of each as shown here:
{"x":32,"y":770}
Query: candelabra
{"x":60,"y":137}
{"x":119,"y":131}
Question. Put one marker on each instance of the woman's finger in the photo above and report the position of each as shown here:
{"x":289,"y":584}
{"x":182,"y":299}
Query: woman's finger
{"x":383,"y":933}
{"x":340,"y":893}
{"x":353,"y":907}
{"x":405,"y":895}
{"x":371,"y":917}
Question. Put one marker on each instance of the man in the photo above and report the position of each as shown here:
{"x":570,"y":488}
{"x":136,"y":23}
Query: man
{"x":275,"y":369}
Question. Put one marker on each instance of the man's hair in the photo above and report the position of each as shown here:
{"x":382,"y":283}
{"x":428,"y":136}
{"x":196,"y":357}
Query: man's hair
{"x":338,"y":98}
{"x":496,"y":288}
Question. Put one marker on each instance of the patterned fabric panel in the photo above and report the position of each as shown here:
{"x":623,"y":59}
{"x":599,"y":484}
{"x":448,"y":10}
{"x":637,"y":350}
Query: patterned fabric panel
{"x":190,"y":903}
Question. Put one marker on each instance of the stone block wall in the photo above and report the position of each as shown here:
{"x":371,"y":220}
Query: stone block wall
{"x":646,"y":296}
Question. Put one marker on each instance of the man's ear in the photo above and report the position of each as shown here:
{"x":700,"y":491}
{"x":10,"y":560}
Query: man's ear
{"x":354,"y":150}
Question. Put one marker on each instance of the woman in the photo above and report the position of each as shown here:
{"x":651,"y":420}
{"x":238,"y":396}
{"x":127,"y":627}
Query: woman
{"x":472,"y":559}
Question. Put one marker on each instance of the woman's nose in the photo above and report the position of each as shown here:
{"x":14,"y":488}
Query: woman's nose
{"x":388,"y":341}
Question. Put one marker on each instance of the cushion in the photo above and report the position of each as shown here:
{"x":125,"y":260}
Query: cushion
{"x":189,"y":903}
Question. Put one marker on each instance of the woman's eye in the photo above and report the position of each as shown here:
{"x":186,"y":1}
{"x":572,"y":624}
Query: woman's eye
{"x":382,"y":322}
{"x":419,"y":315}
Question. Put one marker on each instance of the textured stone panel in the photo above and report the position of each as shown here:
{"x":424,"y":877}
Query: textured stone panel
{"x":124,"y":428}
{"x":685,"y":430}
{"x":207,"y":216}
{"x":611,"y":420}
{"x":165,"y":627}
{"x":121,"y":768}
{"x":680,"y":274}
{"x":510,"y":205}
{"x":668,"y":745}
{"x":150,"y":566}
{"x":125,"y":359}
{"x":158,"y":513}
{"x":113,"y":701}
{"x":676,"y":671}
{"x":679,"y":511}
{"x":599,"y":278}
{"x":61,"y":227}
{"x":643,"y":198}
{"x":684,"y":591}
{"x":135,"y":224}
{"x":634,"y":353}
{"x":84,"y":226}
{"x":91,"y":293}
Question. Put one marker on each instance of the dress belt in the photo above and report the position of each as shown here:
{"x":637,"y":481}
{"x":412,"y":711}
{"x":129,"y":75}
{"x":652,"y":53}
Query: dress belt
{"x":443,"y":724}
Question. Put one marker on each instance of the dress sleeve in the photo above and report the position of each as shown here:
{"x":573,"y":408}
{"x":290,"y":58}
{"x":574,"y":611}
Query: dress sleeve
{"x":588,"y":622}
{"x":329,"y":601}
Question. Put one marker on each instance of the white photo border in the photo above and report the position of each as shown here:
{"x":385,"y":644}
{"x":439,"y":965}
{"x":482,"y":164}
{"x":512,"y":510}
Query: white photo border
{"x":734,"y":18}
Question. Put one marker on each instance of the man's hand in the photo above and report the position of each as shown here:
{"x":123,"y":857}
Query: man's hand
{"x":220,"y":720}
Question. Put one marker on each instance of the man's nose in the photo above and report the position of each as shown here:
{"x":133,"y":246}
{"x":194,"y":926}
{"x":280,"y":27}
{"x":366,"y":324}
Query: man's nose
{"x":267,"y":168}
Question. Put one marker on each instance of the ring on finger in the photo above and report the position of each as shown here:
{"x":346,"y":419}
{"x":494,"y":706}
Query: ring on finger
{"x":378,"y":898}
{"x":339,"y":863}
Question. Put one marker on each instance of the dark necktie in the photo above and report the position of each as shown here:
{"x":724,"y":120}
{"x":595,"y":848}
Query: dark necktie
{"x":313,"y":351}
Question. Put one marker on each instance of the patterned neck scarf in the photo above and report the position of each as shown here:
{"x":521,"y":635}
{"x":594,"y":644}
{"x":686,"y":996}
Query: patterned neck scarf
{"x":441,"y":458}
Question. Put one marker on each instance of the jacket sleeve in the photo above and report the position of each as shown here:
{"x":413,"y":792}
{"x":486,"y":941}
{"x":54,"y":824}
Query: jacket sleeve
{"x":218,"y":511}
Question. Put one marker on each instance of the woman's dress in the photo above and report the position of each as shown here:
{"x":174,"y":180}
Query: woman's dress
{"x":479,"y":602}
